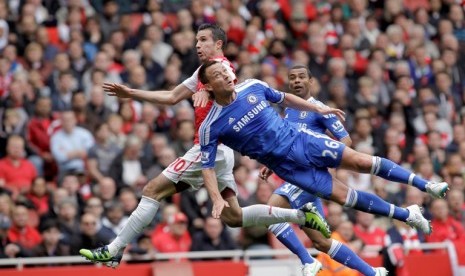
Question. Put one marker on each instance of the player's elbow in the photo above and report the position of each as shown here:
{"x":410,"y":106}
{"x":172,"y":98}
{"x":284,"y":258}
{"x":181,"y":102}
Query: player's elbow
{"x":172,"y":99}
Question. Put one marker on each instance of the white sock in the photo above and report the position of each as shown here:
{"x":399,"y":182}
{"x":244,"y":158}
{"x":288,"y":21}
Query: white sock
{"x":139,"y":219}
{"x":265,"y":215}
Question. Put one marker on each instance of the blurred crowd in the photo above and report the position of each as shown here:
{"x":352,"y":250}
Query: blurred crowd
{"x":74,"y":160}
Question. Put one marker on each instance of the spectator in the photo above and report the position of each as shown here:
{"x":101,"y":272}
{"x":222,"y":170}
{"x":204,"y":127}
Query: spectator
{"x":177,"y":239}
{"x":110,"y":18}
{"x":70,"y":182}
{"x":407,"y":59}
{"x":370,"y":235}
{"x":184,"y":137}
{"x":68,"y":219}
{"x":456,"y":202}
{"x":70,"y":144}
{"x":445,"y":227}
{"x":38,"y":137}
{"x":6,"y":204}
{"x":167,"y":215}
{"x":89,"y":235}
{"x":399,"y":237}
{"x":197,"y":206}
{"x":96,"y":108}
{"x":128,"y":168}
{"x":51,"y":244}
{"x":129,"y":199}
{"x":106,"y":190}
{"x":16,"y":172}
{"x":160,"y":49}
{"x":114,"y":217}
{"x":102,"y":154}
{"x":7,"y":248}
{"x":84,"y":118}
{"x":213,"y":237}
{"x":61,"y":99}
{"x":95,"y":207}
{"x":20,"y":232}
{"x":39,"y":196}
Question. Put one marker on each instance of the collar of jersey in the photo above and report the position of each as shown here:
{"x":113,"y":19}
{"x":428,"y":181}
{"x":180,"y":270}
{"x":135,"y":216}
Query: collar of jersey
{"x":223,"y":106}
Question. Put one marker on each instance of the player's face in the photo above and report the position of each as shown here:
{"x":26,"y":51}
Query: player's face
{"x":299,"y":82}
{"x":219,"y":80}
{"x":206,"y":47}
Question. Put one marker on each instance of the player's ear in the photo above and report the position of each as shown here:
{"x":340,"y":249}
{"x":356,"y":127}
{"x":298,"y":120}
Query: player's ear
{"x":208,"y":87}
{"x":219,"y":44}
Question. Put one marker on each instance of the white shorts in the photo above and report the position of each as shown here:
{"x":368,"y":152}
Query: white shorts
{"x":188,"y":169}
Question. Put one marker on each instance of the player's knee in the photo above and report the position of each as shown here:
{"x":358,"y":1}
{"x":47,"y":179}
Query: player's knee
{"x":232,"y":217}
{"x":363,"y":162}
{"x":153,"y":190}
{"x":322,"y":244}
{"x":233,"y":221}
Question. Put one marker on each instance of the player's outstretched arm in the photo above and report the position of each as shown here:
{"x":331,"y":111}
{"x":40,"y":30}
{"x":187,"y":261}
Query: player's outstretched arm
{"x":168,"y":97}
{"x":211,"y":184}
{"x":295,"y":102}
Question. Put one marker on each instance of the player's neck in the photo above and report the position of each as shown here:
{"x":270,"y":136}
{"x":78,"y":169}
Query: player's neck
{"x":308,"y":96}
{"x":226,"y":99}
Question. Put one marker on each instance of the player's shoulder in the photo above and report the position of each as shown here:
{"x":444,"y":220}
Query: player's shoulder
{"x":315,"y":101}
{"x":250,"y":83}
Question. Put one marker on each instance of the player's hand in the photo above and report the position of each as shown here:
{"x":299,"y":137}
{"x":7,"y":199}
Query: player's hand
{"x":218,"y":207}
{"x":341,"y":115}
{"x":118,"y":90}
{"x":201,"y":98}
{"x":265,"y":173}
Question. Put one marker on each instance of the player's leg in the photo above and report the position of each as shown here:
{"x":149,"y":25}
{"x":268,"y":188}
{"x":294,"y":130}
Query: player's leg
{"x":284,"y":232}
{"x":385,"y":168}
{"x":172,"y":180}
{"x":339,"y":252}
{"x":155,"y":190}
{"x":266,"y":215}
{"x":373,"y":204}
{"x":258,"y":214}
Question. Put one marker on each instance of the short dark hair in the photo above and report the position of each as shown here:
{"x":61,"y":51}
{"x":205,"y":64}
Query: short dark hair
{"x":217,"y":33}
{"x":49,"y":224}
{"x":203,"y":69}
{"x":301,"y":66}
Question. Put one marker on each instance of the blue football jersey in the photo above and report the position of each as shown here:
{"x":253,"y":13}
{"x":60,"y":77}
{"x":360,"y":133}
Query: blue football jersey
{"x":248,"y":125}
{"x":317,"y":122}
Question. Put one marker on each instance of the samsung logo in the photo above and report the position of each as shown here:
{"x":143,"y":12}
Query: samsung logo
{"x":242,"y":122}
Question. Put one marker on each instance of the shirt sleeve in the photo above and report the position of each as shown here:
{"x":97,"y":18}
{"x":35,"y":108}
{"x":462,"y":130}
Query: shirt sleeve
{"x":273,"y":95}
{"x":208,"y":145}
{"x":335,"y":126}
{"x":332,"y":123}
{"x":192,"y":82}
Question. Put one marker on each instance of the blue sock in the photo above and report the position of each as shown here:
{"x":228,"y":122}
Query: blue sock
{"x":389,"y":170}
{"x":373,"y":204}
{"x":347,"y":257}
{"x":286,"y":235}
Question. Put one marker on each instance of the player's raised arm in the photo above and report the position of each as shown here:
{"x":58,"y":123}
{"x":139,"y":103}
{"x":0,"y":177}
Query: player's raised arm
{"x":169,"y":97}
{"x":295,"y":102}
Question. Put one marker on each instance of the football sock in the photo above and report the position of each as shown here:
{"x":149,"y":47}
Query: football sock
{"x":287,"y":236}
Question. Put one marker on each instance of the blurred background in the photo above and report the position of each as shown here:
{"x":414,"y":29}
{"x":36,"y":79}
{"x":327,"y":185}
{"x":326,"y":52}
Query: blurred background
{"x":396,"y":67}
